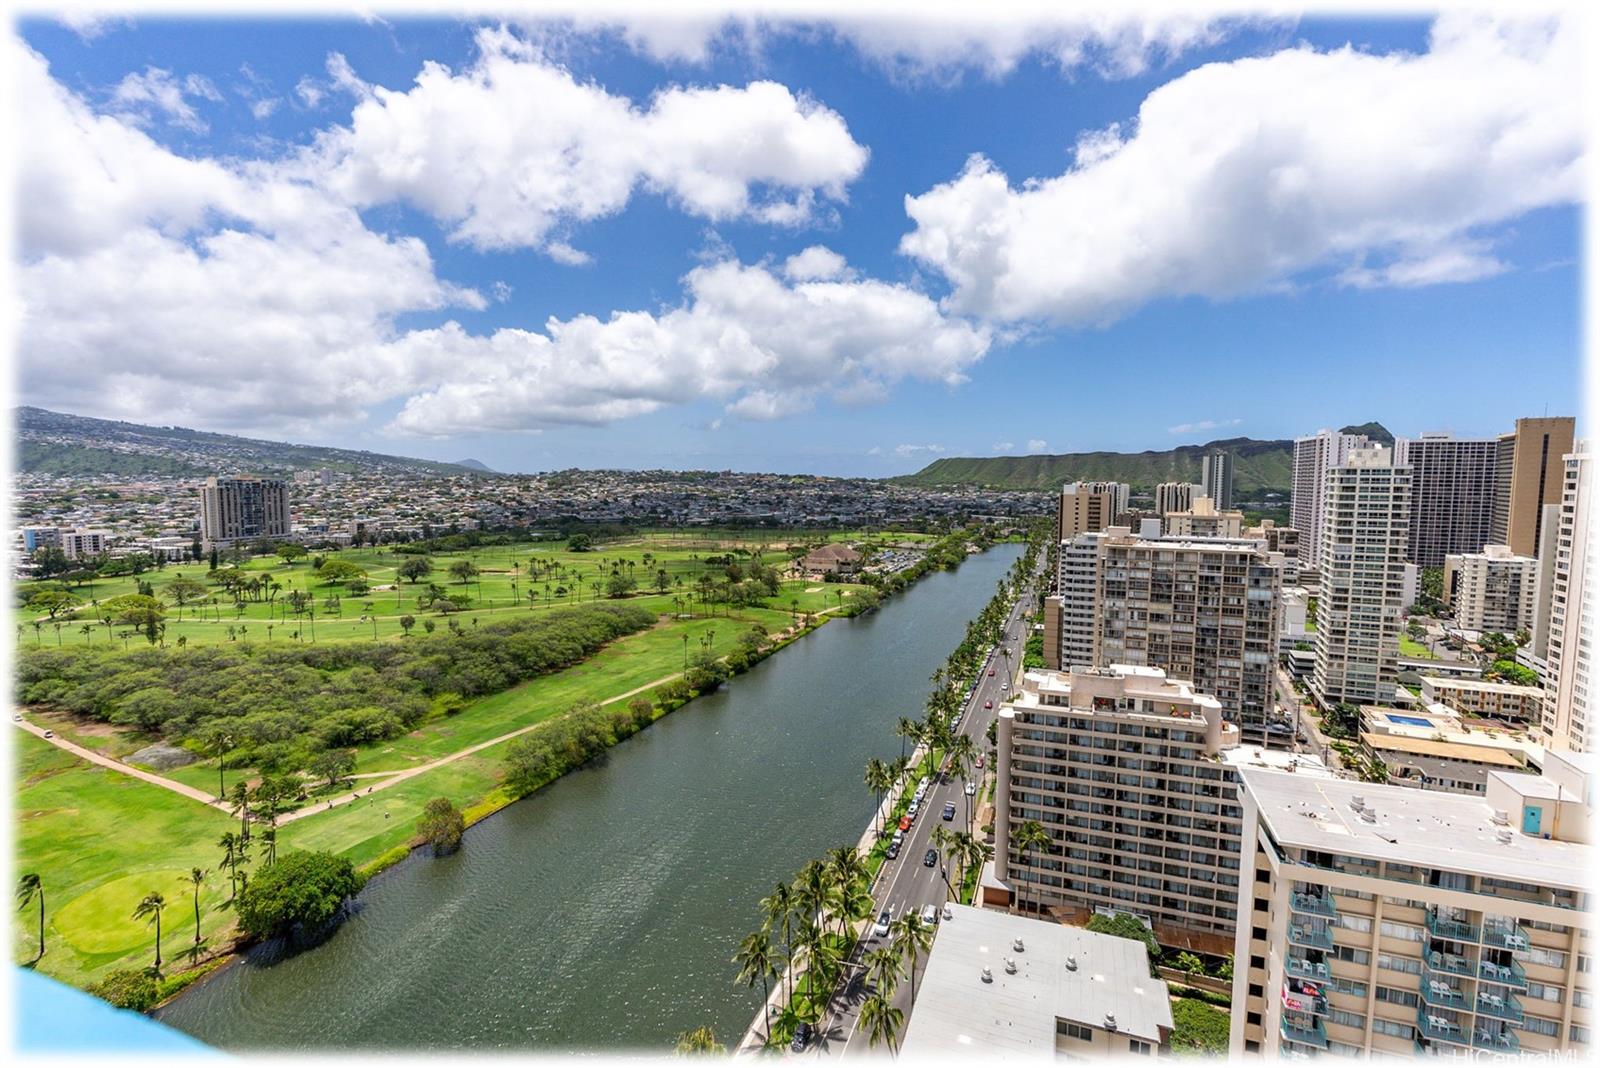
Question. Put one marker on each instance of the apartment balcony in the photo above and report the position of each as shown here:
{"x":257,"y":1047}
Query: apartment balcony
{"x":1506,"y":1007}
{"x":1314,"y":904}
{"x":1314,"y":1035}
{"x":1449,"y":964}
{"x":1301,"y":968}
{"x":1441,"y":995}
{"x":1502,"y":936}
{"x":1440,"y":1029}
{"x":1312,"y":1004}
{"x":1504,"y":974}
{"x":1497,"y":1041}
{"x":1454,"y":930}
{"x":1311,"y":936}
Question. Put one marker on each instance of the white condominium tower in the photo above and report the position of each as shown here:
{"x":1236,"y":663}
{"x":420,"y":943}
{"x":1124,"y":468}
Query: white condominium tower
{"x":1176,"y":497}
{"x":1365,"y":521}
{"x":1313,"y":456}
{"x":1216,"y":479}
{"x":1453,"y":483}
{"x":1568,"y":719}
{"x":1493,"y":590}
{"x":1392,"y":921}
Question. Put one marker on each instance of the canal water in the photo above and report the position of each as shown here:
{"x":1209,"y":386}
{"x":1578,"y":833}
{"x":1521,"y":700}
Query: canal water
{"x":601,"y":913}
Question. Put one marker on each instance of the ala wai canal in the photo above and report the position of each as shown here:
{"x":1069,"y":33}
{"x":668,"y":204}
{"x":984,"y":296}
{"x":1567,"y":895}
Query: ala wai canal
{"x":601,"y":913}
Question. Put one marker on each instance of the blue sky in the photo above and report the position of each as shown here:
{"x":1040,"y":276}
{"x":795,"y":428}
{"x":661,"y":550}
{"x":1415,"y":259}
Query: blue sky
{"x":1467,"y":315}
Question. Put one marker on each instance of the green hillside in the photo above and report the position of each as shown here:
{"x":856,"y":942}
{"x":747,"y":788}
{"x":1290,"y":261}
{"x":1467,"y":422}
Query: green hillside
{"x":1257,"y":466}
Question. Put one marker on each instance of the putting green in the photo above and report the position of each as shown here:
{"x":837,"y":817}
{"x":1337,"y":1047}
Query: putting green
{"x":101,"y":921}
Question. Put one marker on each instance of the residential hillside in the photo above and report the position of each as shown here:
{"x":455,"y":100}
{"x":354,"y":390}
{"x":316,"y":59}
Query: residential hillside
{"x":59,"y":444}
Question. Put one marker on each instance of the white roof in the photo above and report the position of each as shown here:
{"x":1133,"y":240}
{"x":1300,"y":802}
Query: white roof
{"x":1426,"y":828}
{"x":958,"y":1012}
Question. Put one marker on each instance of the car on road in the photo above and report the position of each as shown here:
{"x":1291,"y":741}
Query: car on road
{"x":949,"y":811}
{"x":49,"y":734}
{"x":991,"y":673}
{"x":930,"y":858}
{"x":899,"y":836}
{"x":802,"y":1036}
{"x":988,"y":704}
{"x":881,"y":928}
{"x":893,"y":851}
{"x":914,"y":808}
{"x":980,"y":761}
{"x":930,"y":915}
{"x":972,"y":788}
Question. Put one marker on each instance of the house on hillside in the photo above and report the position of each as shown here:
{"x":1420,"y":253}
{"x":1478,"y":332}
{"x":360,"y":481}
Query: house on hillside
{"x":830,"y":560}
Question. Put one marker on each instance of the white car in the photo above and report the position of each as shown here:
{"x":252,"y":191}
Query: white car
{"x":899,"y":836}
{"x":972,"y":788}
{"x":930,"y":915}
{"x":881,"y":928}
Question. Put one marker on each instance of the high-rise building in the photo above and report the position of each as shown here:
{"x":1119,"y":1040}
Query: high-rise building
{"x":243,"y":509}
{"x":1216,"y":479}
{"x":36,"y":538}
{"x":1175,"y":497}
{"x":1285,"y":540}
{"x":1568,"y":717}
{"x":1073,"y":608}
{"x":80,"y":543}
{"x":1202,"y":609}
{"x":1492,"y":590}
{"x":1538,"y":647}
{"x":1452,"y":494}
{"x":1087,"y":507}
{"x":1203,"y":519}
{"x":1527,"y":477}
{"x":1314,"y":456}
{"x":1361,"y":602}
{"x":1387,"y":920}
{"x":1132,"y":775}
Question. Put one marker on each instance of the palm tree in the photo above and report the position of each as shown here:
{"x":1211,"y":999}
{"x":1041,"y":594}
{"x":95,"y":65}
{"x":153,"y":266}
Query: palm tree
{"x":233,"y":854}
{"x":879,"y":779}
{"x":912,"y":938}
{"x":195,"y":877}
{"x":884,"y":969}
{"x":29,"y":887}
{"x":964,"y":752}
{"x":150,"y":910}
{"x":757,"y":964}
{"x":241,"y":807}
{"x":907,"y":728}
{"x":779,"y":909}
{"x":1025,"y":840}
{"x":700,"y":1040}
{"x":881,"y":1020}
{"x":945,"y":842}
{"x":849,"y":874}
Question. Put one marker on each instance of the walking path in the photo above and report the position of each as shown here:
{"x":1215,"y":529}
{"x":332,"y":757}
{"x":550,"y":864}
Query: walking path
{"x":202,"y":796}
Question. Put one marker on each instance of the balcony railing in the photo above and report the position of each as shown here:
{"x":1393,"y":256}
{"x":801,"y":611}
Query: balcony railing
{"x":1301,"y":968}
{"x":1499,"y":1041}
{"x":1315,"y":937}
{"x":1314,"y":1035}
{"x":1454,"y":930}
{"x":1449,"y":964}
{"x":1295,"y":1001}
{"x":1501,"y":936}
{"x":1441,"y":995}
{"x":1314,"y":904}
{"x":1504,"y":974}
{"x":1500,"y":1006}
{"x":1439,"y":1029}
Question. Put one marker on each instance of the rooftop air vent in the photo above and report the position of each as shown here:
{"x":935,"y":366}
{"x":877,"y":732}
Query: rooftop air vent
{"x":1502,"y":818}
{"x":988,"y":976}
{"x":1016,"y":944}
{"x":1011,"y":966}
{"x":1368,"y":816}
{"x":1072,"y":963}
{"x":1111,"y":1021}
{"x":1358,"y":802}
{"x":1504,"y":835}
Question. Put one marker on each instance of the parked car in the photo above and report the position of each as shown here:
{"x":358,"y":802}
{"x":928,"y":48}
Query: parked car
{"x":930,"y":915}
{"x":802,"y":1035}
{"x":930,"y":858}
{"x":972,"y":788}
{"x":893,"y":851}
{"x":899,"y":836}
{"x":949,"y":811}
{"x":881,"y":928}
{"x":905,"y":823}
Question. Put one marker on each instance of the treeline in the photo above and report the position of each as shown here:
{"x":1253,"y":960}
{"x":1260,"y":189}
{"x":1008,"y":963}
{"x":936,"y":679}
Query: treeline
{"x":277,"y":706}
{"x":945,"y":554}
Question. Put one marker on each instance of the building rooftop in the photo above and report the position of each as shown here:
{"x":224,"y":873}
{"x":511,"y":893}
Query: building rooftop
{"x":958,"y":1012}
{"x":1442,"y":750}
{"x":1257,"y":756}
{"x":1454,"y":832}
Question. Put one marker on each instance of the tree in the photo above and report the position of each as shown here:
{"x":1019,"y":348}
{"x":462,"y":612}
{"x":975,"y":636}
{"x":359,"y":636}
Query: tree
{"x":620,"y":585}
{"x":184,"y":591}
{"x":757,"y":965}
{"x":700,"y":1040}
{"x":406,"y":623}
{"x":289,"y":552}
{"x":129,"y":988}
{"x":415,"y":569}
{"x":1124,"y":926}
{"x":1512,"y":672}
{"x":911,"y":938}
{"x":30,"y":886}
{"x":195,"y":877}
{"x":233,"y":854}
{"x":1189,"y":963}
{"x":53,"y":602}
{"x":333,"y":765}
{"x":441,"y":826}
{"x":463,"y":570}
{"x":149,"y":910}
{"x":580,"y":543}
{"x":333,"y":572}
{"x":881,"y":1020}
{"x":1025,"y":839}
{"x":884,"y":970}
{"x":304,"y":889}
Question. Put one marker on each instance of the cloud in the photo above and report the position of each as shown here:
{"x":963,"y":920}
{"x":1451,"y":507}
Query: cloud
{"x":141,"y":96}
{"x":1203,"y":424}
{"x":1245,"y":176}
{"x":89,"y":25}
{"x":1002,"y":446}
{"x":310,"y":91}
{"x":765,"y":347}
{"x":908,"y":451}
{"x":263,"y":109}
{"x":814,"y":264}
{"x":514,"y":149}
{"x":1036,"y":444}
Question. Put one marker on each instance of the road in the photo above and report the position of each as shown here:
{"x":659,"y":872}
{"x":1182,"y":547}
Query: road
{"x":907,"y":884}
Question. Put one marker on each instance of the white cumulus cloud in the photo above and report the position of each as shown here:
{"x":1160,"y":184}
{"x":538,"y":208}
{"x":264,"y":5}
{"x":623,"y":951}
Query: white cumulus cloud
{"x":1243,"y":176}
{"x":1203,"y":424}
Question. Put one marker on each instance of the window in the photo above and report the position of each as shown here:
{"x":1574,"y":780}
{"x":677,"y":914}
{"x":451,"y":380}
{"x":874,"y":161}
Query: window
{"x":1255,"y":990}
{"x":1389,"y":1027}
{"x":1135,"y":1046}
{"x":1540,"y":1027}
{"x":1580,"y":1035}
{"x":1258,"y":962}
{"x":1349,"y":1019}
{"x":1074,"y":1030}
{"x":1258,"y":933}
{"x":1409,"y":965}
{"x":1395,"y":997}
{"x":1541,"y":992}
{"x":1356,"y":923}
{"x":1399,"y":930}
{"x":1253,"y":1018}
{"x":1550,"y":958}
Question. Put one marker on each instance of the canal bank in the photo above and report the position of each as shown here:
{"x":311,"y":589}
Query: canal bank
{"x":602,"y":911}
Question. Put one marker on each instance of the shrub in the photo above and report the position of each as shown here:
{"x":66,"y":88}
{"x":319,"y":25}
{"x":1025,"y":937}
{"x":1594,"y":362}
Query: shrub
{"x":136,"y":989}
{"x":441,"y":826}
{"x":302,"y":889}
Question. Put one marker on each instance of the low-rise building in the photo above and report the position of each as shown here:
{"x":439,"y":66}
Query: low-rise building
{"x":1202,"y":520}
{"x":1005,"y":987}
{"x":832,"y":559}
{"x":1492,"y":590}
{"x":1489,"y":699}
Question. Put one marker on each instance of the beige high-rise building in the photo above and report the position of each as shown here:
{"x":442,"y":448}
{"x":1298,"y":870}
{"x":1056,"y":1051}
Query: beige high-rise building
{"x":1132,"y":775}
{"x":1362,"y":597}
{"x":1176,"y":497}
{"x":1386,"y":920}
{"x":1070,"y":614}
{"x":1087,"y":507}
{"x":1203,"y":609}
{"x":1527,"y":477}
{"x":1284,"y":540}
{"x":1314,"y":456}
{"x":243,"y":509}
{"x":1452,"y":494}
{"x":1568,"y":716}
{"x":1202,"y":520}
{"x":1492,"y":590}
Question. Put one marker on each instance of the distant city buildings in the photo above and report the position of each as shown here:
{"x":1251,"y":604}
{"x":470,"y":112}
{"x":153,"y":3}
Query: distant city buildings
{"x":1453,"y":484}
{"x":1314,"y":457}
{"x":1202,"y":520}
{"x":1528,"y":476}
{"x":1568,"y":716}
{"x":75,"y":543}
{"x":1492,"y":590}
{"x":1216,"y":479}
{"x":1176,"y":497}
{"x":1361,"y":601}
{"x":1504,"y":701}
{"x":1087,"y":507}
{"x":243,"y":509}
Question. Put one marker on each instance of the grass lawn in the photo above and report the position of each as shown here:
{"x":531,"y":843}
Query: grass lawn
{"x":1414,"y":650}
{"x":1198,"y":1028}
{"x":101,"y":841}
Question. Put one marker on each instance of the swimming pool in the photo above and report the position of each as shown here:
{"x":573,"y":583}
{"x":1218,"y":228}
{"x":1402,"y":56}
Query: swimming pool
{"x":1409,"y":721}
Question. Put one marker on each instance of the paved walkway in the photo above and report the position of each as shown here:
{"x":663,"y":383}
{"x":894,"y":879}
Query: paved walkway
{"x":202,"y":796}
